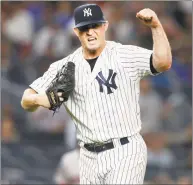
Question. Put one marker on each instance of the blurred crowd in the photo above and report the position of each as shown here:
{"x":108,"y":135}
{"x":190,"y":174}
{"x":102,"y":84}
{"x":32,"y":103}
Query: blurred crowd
{"x":35,"y":34}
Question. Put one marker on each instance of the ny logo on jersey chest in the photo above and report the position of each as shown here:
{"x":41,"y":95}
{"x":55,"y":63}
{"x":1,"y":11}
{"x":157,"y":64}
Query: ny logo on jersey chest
{"x":109,"y":82}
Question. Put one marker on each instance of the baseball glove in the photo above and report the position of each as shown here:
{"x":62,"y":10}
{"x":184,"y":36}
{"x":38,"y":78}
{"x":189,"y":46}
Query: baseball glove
{"x":63,"y":84}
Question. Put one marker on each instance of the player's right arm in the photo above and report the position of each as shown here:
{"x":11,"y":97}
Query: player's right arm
{"x":35,"y":96}
{"x":31,"y":100}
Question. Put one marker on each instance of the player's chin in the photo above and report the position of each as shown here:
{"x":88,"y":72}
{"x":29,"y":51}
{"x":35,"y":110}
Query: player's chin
{"x":92,"y":47}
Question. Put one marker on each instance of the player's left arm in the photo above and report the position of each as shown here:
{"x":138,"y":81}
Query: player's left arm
{"x":162,"y":56}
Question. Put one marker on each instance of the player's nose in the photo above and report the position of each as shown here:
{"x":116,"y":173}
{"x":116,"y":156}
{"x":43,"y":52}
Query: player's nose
{"x":90,"y":31}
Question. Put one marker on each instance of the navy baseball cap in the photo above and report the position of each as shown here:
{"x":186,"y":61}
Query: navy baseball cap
{"x":88,"y":14}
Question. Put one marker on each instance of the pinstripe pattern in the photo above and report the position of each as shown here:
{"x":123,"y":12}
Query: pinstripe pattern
{"x":125,"y":164}
{"x":100,"y":117}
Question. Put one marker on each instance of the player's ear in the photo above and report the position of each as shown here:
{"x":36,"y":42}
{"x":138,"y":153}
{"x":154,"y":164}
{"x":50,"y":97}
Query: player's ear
{"x":106,"y":25}
{"x":76,"y":31}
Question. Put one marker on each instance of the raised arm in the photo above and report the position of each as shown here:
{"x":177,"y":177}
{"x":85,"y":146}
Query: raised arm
{"x":162,"y":57}
{"x":31,"y":100}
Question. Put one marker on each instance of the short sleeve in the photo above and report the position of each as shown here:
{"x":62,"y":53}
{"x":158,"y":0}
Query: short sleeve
{"x":41,"y":84}
{"x":136,"y":60}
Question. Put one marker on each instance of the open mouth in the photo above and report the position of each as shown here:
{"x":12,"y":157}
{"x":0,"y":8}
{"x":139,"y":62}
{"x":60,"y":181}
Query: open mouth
{"x":91,"y":39}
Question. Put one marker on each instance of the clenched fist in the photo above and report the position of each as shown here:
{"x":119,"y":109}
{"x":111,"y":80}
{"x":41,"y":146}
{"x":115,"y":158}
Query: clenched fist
{"x":148,"y":17}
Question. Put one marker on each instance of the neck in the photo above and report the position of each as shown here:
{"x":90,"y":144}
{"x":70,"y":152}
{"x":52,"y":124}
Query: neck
{"x":90,"y":54}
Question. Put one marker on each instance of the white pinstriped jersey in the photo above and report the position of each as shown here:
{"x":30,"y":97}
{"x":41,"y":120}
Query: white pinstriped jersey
{"x":104,"y":104}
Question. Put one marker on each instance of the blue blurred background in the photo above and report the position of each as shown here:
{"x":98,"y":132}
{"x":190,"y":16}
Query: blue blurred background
{"x":35,"y":34}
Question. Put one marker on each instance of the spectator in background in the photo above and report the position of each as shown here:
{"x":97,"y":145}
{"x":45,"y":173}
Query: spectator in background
{"x":40,"y":11}
{"x":159,"y":155}
{"x":183,"y":70}
{"x":189,"y":160}
{"x":18,"y":62}
{"x":5,"y":56}
{"x":18,"y":29}
{"x":178,"y":127}
{"x":67,"y":171}
{"x":19,"y":24}
{"x":16,"y":74}
{"x":43,"y":120}
{"x":181,"y":11}
{"x":8,"y":130}
{"x":63,"y":14}
{"x":51,"y":41}
{"x":122,"y":29}
{"x":163,"y":178}
{"x":177,"y":117}
{"x":151,"y":107}
{"x":185,"y":180}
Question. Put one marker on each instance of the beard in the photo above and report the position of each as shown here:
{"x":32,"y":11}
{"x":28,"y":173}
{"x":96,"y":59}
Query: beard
{"x":91,"y":51}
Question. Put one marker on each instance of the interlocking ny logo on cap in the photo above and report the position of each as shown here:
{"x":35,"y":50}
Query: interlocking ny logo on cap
{"x":87,"y":12}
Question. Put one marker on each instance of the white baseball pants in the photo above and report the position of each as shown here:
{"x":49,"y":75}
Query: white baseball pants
{"x":124,"y":164}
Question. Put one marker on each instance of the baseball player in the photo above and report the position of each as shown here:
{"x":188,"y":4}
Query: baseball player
{"x":104,"y":102}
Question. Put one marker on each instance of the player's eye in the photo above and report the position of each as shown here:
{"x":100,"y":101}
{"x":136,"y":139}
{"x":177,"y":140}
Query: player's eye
{"x":87,"y":27}
{"x":83,"y":28}
{"x":96,"y":25}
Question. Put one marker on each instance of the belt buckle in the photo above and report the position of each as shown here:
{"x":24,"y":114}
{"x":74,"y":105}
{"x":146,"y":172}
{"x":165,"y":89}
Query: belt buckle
{"x":95,"y":145}
{"x":100,"y":146}
{"x":103,"y":147}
